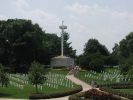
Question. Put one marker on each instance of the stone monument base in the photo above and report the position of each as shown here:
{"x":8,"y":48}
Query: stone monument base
{"x":62,"y":61}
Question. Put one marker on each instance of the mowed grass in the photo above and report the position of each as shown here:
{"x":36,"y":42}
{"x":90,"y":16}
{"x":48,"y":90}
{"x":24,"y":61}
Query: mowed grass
{"x":59,"y":71}
{"x":15,"y":92}
{"x":81,"y":75}
{"x":127,"y":91}
{"x":89,"y":80}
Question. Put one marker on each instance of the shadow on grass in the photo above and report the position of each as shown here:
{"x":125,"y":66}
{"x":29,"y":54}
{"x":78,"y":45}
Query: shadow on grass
{"x":4,"y":95}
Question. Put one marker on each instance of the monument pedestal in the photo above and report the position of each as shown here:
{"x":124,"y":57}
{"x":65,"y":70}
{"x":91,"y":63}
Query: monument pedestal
{"x":62,"y":61}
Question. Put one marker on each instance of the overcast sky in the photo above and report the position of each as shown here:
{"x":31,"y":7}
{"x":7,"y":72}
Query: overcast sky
{"x":109,"y":21}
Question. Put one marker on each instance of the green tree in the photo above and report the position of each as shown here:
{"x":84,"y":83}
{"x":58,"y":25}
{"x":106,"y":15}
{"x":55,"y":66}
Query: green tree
{"x":68,"y":50}
{"x":115,"y":50}
{"x":112,"y":59}
{"x":97,"y":65}
{"x":22,"y":42}
{"x":4,"y":80}
{"x":83,"y":61}
{"x":94,"y":56}
{"x":93,"y":46}
{"x":36,"y":74}
{"x":52,"y":47}
{"x":125,"y":53}
{"x":126,"y":46}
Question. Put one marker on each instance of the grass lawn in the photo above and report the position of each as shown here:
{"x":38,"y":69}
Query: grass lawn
{"x":15,"y":92}
{"x":81,"y":75}
{"x":89,"y":80}
{"x":59,"y":71}
{"x":128,"y":91}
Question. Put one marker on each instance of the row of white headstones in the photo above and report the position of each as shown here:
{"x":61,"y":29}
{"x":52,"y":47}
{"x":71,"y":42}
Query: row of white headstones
{"x":53,"y":80}
{"x":110,"y":76}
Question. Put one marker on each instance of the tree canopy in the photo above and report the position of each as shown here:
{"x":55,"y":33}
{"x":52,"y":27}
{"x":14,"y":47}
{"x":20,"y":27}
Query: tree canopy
{"x":125,"y":53}
{"x":22,"y":42}
{"x":94,"y":56}
{"x":93,"y":46}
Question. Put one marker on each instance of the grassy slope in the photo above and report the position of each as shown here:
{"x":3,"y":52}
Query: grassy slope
{"x":14,"y":92}
{"x":89,"y":80}
{"x":128,"y":91}
{"x":81,"y":75}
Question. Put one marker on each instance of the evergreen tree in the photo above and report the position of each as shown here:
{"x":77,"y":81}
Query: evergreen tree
{"x":36,"y":74}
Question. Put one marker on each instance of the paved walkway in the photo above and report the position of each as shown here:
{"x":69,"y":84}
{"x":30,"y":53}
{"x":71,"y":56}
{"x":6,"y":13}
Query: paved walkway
{"x":76,"y":81}
{"x":79,"y":82}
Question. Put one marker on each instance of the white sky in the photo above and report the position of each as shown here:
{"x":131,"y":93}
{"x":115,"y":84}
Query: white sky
{"x":109,"y":21}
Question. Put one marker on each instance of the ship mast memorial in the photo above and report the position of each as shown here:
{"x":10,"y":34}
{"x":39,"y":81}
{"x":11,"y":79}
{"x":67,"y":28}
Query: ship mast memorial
{"x":62,"y":60}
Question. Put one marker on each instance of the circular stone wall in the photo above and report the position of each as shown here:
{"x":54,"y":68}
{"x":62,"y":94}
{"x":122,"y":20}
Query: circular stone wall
{"x":62,"y":61}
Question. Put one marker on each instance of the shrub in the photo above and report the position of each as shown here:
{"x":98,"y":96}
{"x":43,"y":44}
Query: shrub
{"x":113,"y":91}
{"x":94,"y":94}
{"x":73,"y":97}
{"x":76,"y":96}
{"x":4,"y":80}
{"x":98,"y":95}
{"x":97,"y":65}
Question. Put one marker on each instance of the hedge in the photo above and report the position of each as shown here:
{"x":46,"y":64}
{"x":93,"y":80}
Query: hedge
{"x":113,"y":91}
{"x":54,"y":95}
{"x":94,"y":94}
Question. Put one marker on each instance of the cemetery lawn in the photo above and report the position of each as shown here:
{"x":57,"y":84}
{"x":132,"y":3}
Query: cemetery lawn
{"x":127,"y":91}
{"x":81,"y":75}
{"x":59,"y":71}
{"x":98,"y":78}
{"x":13,"y":91}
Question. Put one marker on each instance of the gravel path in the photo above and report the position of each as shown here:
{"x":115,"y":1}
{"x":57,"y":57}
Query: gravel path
{"x":79,"y":82}
{"x":76,"y":81}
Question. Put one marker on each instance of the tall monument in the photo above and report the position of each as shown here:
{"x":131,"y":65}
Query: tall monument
{"x":62,"y":27}
{"x":62,"y":61}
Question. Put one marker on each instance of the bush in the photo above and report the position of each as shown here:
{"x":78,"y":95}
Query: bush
{"x":73,"y":97}
{"x":4,"y":80}
{"x":97,"y":95}
{"x":76,"y":96}
{"x":113,"y":91}
{"x":97,"y":65}
{"x":94,"y":94}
